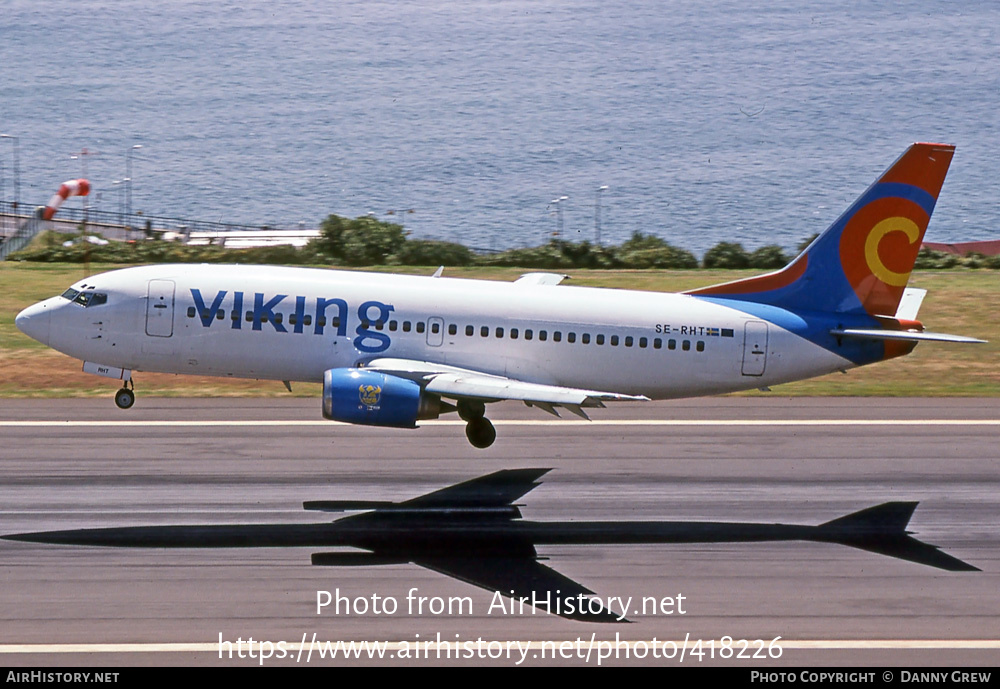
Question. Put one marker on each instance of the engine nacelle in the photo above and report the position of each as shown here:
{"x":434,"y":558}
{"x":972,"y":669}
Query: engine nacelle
{"x":375,"y":399}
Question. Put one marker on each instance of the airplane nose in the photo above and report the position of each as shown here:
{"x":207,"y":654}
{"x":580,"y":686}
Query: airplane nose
{"x":34,"y":322}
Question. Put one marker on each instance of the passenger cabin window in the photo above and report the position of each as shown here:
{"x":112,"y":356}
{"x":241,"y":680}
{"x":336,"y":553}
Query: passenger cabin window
{"x":600,"y":339}
{"x":571,"y":337}
{"x":485,"y":331}
{"x":700,"y":346}
{"x":452,"y":329}
{"x":406,"y":326}
{"x":421,"y":326}
{"x":469,"y":330}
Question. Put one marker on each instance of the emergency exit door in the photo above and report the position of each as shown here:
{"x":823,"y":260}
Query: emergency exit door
{"x":754,"y":348}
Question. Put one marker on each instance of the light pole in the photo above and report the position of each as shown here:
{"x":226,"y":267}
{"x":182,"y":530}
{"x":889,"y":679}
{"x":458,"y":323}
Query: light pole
{"x":597,"y":214}
{"x":3,"y":197}
{"x":84,"y":153}
{"x":559,"y":218}
{"x":15,"y":142}
{"x":117,"y":184}
{"x":128,"y":183}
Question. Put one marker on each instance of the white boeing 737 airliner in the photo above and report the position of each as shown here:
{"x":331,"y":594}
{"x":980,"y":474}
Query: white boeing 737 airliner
{"x":391,"y":350}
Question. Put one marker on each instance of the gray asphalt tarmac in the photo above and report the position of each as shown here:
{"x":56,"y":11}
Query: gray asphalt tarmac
{"x":83,"y":463}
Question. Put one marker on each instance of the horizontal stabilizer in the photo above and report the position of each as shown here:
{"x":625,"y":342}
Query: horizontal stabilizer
{"x":882,"y":529}
{"x":903,"y":335}
{"x":909,"y":548}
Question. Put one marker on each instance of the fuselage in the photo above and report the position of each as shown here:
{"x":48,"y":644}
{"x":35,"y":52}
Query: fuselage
{"x":292,"y":324}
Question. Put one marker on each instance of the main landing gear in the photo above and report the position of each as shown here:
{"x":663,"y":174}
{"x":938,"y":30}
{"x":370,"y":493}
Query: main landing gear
{"x":125,"y":397}
{"x":478,"y":429}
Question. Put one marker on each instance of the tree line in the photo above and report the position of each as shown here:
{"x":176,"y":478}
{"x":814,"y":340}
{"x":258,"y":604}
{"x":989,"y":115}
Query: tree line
{"x":368,"y":241}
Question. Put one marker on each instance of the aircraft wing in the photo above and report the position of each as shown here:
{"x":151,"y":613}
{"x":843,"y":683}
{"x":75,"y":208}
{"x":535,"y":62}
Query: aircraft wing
{"x":523,"y":578}
{"x":499,"y":489}
{"x":459,"y":383}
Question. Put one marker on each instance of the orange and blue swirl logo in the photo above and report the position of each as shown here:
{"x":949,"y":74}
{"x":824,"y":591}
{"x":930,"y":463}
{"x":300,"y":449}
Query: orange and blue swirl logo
{"x":878,"y":248}
{"x":369,"y":395}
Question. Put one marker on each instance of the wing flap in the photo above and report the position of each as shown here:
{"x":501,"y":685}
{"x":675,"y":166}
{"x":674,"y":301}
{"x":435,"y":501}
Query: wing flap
{"x":481,"y":386}
{"x":454,"y":382}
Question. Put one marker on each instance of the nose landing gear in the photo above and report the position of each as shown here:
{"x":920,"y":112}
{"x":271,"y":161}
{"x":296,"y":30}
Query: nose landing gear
{"x":125,"y":397}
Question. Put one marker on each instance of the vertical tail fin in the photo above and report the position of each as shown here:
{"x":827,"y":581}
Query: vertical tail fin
{"x":862,"y":262}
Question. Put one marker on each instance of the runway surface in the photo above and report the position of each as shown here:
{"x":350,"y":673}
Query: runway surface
{"x":71,"y":464}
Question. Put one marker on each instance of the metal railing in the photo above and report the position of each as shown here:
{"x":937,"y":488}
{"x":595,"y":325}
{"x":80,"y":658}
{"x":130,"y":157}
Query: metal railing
{"x":138,"y":221}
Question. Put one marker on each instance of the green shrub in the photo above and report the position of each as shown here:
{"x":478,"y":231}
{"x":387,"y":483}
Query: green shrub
{"x":667,"y":257}
{"x":364,"y":241}
{"x":726,"y":255}
{"x":936,"y":260}
{"x":420,"y":252}
{"x":806,"y":242}
{"x":548,"y":256}
{"x":768,"y":257}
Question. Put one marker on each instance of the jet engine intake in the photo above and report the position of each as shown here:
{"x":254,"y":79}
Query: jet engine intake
{"x":376,"y":399}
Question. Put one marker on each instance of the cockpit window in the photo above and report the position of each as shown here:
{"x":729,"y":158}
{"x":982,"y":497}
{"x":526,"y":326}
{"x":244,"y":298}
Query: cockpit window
{"x":86,"y":298}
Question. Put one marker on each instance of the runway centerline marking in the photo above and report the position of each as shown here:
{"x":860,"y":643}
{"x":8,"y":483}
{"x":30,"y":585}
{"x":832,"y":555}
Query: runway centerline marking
{"x":390,"y":646}
{"x":514,"y":422}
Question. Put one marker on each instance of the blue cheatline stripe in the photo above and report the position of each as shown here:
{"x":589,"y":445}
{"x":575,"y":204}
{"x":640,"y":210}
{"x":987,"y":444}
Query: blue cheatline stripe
{"x":815,"y":327}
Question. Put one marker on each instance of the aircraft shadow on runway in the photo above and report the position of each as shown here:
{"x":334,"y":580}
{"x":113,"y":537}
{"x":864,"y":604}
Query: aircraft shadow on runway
{"x":473,"y":531}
